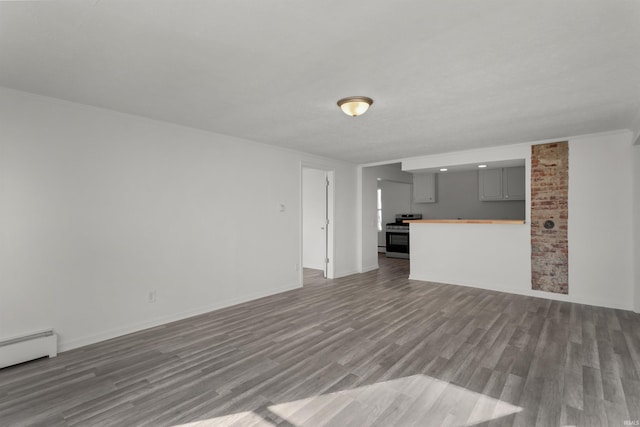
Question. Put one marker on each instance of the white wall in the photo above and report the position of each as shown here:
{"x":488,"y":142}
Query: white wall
{"x":601,"y":220}
{"x":488,"y":256}
{"x":98,"y":208}
{"x":484,"y":155}
{"x":313,"y":218}
{"x":601,"y":263}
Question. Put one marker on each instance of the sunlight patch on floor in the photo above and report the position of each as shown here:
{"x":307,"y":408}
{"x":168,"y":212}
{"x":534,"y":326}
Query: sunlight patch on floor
{"x":404,"y":401}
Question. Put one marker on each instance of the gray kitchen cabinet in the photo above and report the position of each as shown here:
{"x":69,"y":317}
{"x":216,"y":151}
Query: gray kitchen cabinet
{"x":501,"y":184}
{"x":513,"y":183}
{"x":490,"y":184}
{"x":425,"y":188}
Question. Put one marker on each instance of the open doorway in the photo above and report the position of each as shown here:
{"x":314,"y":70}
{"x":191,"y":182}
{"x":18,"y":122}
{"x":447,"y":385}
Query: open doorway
{"x":317,"y":225}
{"x":386,"y":192}
{"x":393,"y":198}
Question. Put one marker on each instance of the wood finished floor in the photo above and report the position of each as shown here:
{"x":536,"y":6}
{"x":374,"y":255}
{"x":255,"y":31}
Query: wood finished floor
{"x":368,"y":349}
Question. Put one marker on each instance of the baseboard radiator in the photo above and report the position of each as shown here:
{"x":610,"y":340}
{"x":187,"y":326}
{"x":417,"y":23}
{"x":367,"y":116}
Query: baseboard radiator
{"x":28,"y":347}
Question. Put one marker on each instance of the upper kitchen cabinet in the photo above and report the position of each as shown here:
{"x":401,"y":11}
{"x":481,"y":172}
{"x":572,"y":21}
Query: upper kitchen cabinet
{"x":513,"y":183}
{"x":425,"y":188}
{"x":490,"y":184}
{"x":501,"y":184}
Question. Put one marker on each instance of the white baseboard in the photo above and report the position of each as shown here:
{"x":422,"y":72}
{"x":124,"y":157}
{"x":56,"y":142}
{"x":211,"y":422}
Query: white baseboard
{"x":66,"y":345}
{"x":538,"y":294}
{"x":340,"y":274}
{"x":369,"y":268}
{"x":314,"y":267}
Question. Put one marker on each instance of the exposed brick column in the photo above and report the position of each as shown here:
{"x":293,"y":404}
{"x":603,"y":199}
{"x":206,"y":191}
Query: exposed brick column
{"x":549,"y":215}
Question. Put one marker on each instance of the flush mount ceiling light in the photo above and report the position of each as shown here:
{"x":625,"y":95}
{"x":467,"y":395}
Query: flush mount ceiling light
{"x":355,"y":106}
{"x":482,"y":166}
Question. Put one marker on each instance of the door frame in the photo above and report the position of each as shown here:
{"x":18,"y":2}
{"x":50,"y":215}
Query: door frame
{"x":330,"y":214}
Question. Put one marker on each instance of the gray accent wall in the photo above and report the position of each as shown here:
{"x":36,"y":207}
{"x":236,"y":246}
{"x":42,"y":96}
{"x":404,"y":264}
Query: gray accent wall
{"x":458,"y":198}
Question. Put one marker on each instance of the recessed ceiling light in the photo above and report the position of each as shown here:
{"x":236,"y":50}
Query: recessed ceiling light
{"x":355,"y":106}
{"x":443,"y":169}
{"x":482,"y":166}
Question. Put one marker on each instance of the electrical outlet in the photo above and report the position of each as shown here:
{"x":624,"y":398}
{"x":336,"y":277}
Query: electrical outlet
{"x":151,"y":298}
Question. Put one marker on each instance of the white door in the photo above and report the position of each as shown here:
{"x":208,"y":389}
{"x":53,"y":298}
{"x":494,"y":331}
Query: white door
{"x":314,"y":219}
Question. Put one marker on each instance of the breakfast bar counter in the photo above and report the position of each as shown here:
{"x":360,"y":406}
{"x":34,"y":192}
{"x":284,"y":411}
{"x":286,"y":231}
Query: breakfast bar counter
{"x":466,"y":221}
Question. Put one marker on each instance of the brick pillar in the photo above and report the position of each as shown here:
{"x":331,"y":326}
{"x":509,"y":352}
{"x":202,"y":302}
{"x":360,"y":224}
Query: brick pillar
{"x":549,"y":217}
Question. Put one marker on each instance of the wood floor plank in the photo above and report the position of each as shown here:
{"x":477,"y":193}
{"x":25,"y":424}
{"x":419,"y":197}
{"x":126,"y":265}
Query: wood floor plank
{"x":366,"y":349}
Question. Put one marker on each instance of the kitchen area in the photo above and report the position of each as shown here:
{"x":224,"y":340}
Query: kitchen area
{"x":477,"y":193}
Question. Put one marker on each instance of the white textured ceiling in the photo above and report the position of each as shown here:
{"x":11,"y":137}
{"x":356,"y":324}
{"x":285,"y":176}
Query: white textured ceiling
{"x":444,"y":75}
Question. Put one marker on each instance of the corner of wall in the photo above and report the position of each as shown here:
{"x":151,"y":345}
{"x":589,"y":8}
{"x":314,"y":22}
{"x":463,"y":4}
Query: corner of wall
{"x":636,"y":223}
{"x":635,"y":130}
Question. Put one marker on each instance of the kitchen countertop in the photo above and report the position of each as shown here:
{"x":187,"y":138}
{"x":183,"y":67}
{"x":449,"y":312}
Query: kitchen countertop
{"x":465,"y":221}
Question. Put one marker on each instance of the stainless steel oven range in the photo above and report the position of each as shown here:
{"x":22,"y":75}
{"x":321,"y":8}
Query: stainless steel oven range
{"x":398,"y":236}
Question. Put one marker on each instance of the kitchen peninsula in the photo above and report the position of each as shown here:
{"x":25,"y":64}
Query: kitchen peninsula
{"x":466,"y":221}
{"x":482,"y":253}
